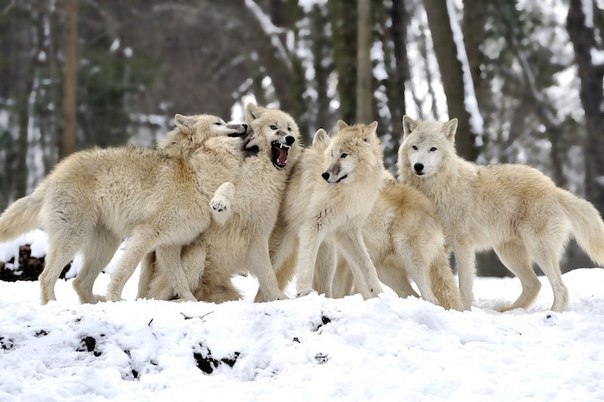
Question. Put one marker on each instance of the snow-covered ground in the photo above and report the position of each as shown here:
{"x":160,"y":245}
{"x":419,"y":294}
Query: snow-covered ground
{"x":312,"y":348}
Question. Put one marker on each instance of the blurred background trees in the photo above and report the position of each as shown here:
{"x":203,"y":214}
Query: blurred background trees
{"x":523,"y":77}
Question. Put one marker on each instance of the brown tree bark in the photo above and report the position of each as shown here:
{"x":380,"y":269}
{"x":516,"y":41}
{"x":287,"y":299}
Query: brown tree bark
{"x":473,"y":28}
{"x":344,"y":43}
{"x":364,"y":72}
{"x":399,"y":39}
{"x":592,"y":98}
{"x":451,"y":71}
{"x":70,"y":79}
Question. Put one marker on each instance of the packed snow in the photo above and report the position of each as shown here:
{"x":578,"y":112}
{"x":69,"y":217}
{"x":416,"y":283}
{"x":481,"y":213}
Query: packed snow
{"x":310,"y":348}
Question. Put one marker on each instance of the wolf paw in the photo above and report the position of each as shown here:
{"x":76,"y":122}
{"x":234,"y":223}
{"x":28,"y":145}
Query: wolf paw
{"x":219,"y":203}
{"x":99,"y":299}
{"x":305,"y":292}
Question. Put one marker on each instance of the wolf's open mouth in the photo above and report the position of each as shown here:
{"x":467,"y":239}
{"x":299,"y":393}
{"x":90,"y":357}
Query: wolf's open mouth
{"x":280,"y":152}
{"x":342,"y":178}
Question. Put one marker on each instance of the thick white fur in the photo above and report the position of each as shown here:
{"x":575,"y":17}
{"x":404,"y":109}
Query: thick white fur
{"x":330,"y":194}
{"x":404,"y":238}
{"x":241,"y":245}
{"x":514,"y":209}
{"x":93,"y":199}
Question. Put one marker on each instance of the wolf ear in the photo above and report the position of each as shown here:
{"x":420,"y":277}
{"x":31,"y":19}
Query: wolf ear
{"x":371,"y":132}
{"x":450,"y":128}
{"x":408,"y":125}
{"x":321,"y":139}
{"x":341,"y":124}
{"x":252,"y":112}
{"x":183,"y":122}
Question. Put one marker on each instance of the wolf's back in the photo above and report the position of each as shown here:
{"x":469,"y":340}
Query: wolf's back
{"x":22,"y":215}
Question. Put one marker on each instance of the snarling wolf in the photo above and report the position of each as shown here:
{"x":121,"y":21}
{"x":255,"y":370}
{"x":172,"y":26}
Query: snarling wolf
{"x":241,"y":245}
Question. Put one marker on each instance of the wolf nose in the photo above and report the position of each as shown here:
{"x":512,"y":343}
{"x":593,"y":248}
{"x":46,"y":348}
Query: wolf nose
{"x":418,"y":167}
{"x":325,"y":176}
{"x":290,"y":139}
{"x":244,"y":128}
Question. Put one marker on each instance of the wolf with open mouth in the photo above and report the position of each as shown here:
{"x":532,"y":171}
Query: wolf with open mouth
{"x":272,"y":148}
{"x":272,"y":128}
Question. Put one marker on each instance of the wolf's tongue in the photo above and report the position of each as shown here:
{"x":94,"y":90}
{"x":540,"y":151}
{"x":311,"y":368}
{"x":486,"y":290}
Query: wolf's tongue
{"x":281,"y":157}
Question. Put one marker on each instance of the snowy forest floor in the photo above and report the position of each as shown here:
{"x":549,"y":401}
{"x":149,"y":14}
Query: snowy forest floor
{"x":311,"y":348}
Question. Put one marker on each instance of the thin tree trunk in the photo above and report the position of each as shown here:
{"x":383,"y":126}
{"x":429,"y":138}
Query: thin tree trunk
{"x":583,"y":38}
{"x":398,"y":31}
{"x":344,"y":43}
{"x":451,"y":71}
{"x":473,"y":28}
{"x":70,"y":80}
{"x":364,"y":72}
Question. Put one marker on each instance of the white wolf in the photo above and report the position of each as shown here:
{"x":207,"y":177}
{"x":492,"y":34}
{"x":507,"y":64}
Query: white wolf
{"x":514,"y":209}
{"x":241,"y":245}
{"x":404,"y":238}
{"x":93,"y":199}
{"x":331,"y":193}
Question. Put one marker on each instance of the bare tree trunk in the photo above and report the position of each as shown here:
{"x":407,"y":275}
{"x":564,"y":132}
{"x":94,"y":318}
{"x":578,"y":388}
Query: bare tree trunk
{"x":399,"y":40}
{"x":344,"y":43}
{"x":583,"y":38}
{"x":70,"y":81}
{"x":451,"y":71}
{"x":364,"y":72}
{"x":473,"y":27}
{"x":319,"y":49}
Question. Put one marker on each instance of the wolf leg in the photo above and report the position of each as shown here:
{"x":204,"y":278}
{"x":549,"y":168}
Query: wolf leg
{"x":309,"y":240}
{"x":221,"y":203}
{"x":260,"y":266}
{"x":59,"y":255}
{"x":418,"y":267}
{"x":325,"y":267}
{"x":394,"y":275}
{"x":465,"y":261}
{"x":146,"y":276}
{"x":142,"y":240}
{"x":515,"y":257}
{"x":170,"y":266}
{"x":547,"y":257}
{"x":358,"y":258}
{"x":98,"y":251}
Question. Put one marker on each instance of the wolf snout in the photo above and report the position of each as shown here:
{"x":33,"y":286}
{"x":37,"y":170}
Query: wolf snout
{"x":325,"y":176}
{"x":240,"y":129}
{"x":290,"y":139}
{"x":418,"y":167}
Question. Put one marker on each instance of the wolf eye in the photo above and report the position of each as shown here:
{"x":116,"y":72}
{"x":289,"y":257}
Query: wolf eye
{"x":344,"y":155}
{"x":218,"y":123}
{"x":272,"y":127}
{"x":432,"y":149}
{"x":289,"y":129}
{"x":414,"y":147}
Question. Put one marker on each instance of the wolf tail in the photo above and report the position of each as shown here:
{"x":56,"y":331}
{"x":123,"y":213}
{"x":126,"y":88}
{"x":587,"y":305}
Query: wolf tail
{"x":443,"y":283}
{"x":587,"y":226}
{"x":22,"y":216}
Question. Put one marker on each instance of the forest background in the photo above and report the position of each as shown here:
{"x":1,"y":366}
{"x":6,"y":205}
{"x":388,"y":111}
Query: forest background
{"x":523,"y":77}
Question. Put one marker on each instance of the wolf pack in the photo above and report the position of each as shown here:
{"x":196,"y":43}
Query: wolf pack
{"x":216,"y":199}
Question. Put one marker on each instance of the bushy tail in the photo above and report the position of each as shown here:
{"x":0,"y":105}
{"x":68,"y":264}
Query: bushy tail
{"x":587,"y":226}
{"x":443,"y":283}
{"x":22,"y":216}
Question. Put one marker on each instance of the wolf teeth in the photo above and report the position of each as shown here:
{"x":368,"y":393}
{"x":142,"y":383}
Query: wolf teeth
{"x":280,"y":145}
